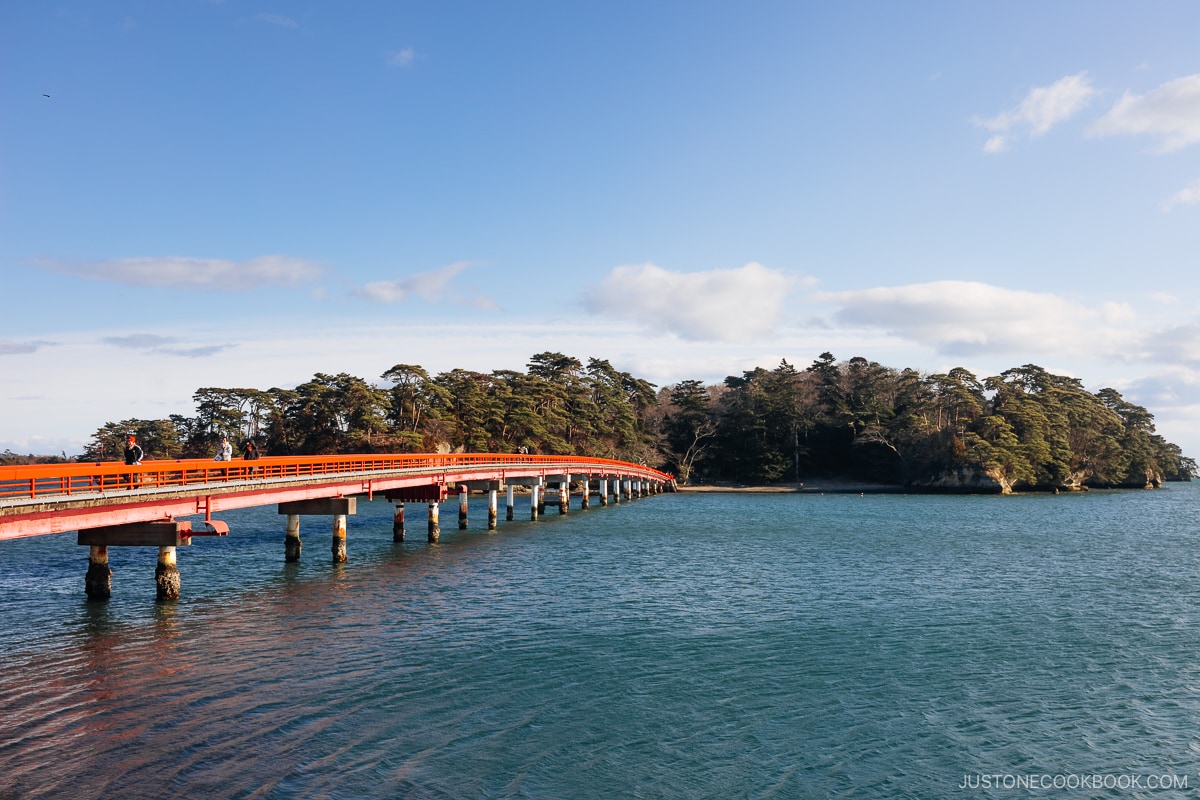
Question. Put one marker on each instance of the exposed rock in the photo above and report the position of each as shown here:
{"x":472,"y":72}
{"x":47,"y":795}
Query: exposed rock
{"x":968,"y":480}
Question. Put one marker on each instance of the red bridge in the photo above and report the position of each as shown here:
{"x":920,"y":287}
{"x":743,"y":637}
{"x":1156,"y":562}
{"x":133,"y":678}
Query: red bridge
{"x":111,"y":504}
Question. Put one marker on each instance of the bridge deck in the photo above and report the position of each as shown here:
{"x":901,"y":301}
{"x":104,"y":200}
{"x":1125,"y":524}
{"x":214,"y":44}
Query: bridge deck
{"x":54,"y":498}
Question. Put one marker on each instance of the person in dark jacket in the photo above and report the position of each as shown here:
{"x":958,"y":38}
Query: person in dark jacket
{"x":133,"y":453}
{"x":250,"y":453}
{"x":133,"y":456}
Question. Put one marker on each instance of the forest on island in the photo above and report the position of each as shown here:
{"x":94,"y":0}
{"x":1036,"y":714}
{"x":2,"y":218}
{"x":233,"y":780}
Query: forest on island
{"x":1025,"y":428}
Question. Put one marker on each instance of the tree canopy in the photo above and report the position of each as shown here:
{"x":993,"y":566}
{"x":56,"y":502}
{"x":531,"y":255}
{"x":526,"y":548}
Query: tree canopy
{"x":1023,"y":428}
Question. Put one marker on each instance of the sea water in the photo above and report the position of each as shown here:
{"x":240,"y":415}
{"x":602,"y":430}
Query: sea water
{"x":677,"y":646}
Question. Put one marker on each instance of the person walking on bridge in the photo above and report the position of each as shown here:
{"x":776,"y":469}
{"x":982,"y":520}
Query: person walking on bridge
{"x":133,"y":457}
{"x":133,"y":453}
{"x":250,"y":453}
{"x":224,"y":451}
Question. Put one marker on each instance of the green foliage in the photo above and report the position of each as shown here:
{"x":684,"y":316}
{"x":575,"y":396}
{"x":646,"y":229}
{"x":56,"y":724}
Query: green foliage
{"x":158,"y":438}
{"x":1025,"y":427}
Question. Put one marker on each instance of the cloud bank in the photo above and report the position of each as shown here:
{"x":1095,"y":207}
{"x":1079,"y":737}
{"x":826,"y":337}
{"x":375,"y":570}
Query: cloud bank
{"x":966,"y":318}
{"x":152,"y":343}
{"x":730,"y":305}
{"x":208,"y":274}
{"x":10,"y":348}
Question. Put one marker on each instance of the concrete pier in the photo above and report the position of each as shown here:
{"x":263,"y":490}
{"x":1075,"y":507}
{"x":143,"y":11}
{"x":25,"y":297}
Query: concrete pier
{"x":398,"y":522}
{"x":166,"y":575}
{"x":604,"y":491}
{"x":166,"y":535}
{"x":462,"y":506}
{"x":586,"y":490}
{"x":291,"y":541}
{"x":338,"y":547}
{"x":493,"y":490}
{"x":435,"y":530}
{"x":564,"y":495}
{"x":336,"y":507}
{"x":510,"y":512}
{"x":533,"y":501}
{"x":98,"y":581}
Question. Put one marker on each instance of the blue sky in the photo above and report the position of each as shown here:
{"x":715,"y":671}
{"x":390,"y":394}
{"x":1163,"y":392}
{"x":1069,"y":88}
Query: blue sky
{"x":242,"y":193}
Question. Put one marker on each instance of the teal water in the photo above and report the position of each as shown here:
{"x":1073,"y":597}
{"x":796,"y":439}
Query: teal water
{"x":679,"y":646}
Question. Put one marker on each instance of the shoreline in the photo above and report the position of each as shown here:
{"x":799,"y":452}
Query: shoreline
{"x":819,"y":486}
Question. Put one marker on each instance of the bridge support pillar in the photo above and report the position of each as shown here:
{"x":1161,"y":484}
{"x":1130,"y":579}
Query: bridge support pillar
{"x":163,"y":534}
{"x":321,"y":506}
{"x":398,"y":522}
{"x":564,"y":495}
{"x":462,"y":506}
{"x":493,"y":489}
{"x":541,"y":500}
{"x":603,"y":491}
{"x":510,"y":511}
{"x":338,"y":547}
{"x":291,"y":542}
{"x":166,"y":575}
{"x":435,"y":530}
{"x":586,"y":488}
{"x":98,"y":581}
{"x":533,"y":501}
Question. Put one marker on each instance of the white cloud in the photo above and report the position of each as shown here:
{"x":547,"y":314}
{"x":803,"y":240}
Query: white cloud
{"x":732,"y":305}
{"x":1042,"y":109}
{"x":152,"y":343}
{"x":401,"y":58}
{"x":139,"y":341}
{"x":969,"y":318}
{"x":1177,"y":344}
{"x":1171,"y":112}
{"x":209,"y":274}
{"x":277,"y":20}
{"x":429,"y":286}
{"x":10,"y":348}
{"x":1187,"y":196}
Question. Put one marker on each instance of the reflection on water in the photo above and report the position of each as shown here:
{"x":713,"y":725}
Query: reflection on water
{"x":717,"y":646}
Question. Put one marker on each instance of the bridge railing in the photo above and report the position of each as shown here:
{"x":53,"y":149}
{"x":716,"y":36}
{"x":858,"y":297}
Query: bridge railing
{"x":44,"y":480}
